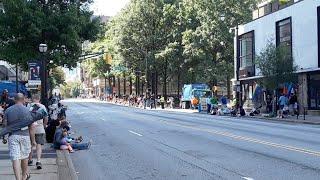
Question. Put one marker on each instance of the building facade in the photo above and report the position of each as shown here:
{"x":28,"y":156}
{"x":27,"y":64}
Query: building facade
{"x":295,"y":24}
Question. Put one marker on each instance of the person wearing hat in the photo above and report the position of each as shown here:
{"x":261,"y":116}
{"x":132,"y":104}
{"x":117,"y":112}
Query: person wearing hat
{"x":19,"y":141}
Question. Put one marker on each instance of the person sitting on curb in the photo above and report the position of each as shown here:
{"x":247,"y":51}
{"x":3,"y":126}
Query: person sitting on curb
{"x":58,"y":136}
{"x":65,"y":142}
{"x":39,"y":129}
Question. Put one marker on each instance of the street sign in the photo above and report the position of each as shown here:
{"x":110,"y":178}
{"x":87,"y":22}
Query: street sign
{"x":34,"y":73}
{"x":34,"y":82}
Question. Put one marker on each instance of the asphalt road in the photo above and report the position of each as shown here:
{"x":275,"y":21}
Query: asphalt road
{"x":136,"y":144}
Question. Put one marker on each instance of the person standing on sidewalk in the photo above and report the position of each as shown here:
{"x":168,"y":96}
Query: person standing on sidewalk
{"x":208,"y":101}
{"x":19,"y":141}
{"x":39,"y":129}
{"x":293,"y":100}
{"x":283,"y":101}
{"x":162,"y":101}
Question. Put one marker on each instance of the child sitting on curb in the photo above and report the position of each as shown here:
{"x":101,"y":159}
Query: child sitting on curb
{"x":65,"y":142}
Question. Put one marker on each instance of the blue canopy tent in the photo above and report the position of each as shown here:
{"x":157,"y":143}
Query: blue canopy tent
{"x":11,"y":87}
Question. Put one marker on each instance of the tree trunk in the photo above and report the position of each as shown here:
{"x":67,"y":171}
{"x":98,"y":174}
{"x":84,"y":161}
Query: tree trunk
{"x":105,"y":85}
{"x":165,"y":80}
{"x":119,"y":90}
{"x":124,"y":84}
{"x":137,"y":85}
{"x":274,"y":103}
{"x":152,"y":83}
{"x":110,"y":84}
{"x":142,"y":86}
{"x":156,"y":84}
{"x":228,"y":87}
{"x":178,"y":90}
{"x":131,"y":84}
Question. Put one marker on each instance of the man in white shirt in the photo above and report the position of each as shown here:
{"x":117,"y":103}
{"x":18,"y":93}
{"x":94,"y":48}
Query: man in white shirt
{"x":39,"y":129}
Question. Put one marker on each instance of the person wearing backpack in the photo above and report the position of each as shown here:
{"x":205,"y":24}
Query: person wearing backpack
{"x":39,"y":129}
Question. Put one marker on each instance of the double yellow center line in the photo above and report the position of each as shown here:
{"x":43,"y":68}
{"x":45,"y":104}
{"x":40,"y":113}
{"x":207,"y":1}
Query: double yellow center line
{"x":248,"y":139}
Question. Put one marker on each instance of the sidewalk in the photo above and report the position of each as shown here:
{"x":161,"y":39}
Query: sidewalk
{"x":56,"y":165}
{"x":49,"y":163}
{"x":314,"y":120}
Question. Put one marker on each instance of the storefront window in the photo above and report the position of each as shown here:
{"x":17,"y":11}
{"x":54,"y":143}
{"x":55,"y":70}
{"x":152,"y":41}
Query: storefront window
{"x":284,"y":33}
{"x":314,"y":92}
{"x":246,"y":50}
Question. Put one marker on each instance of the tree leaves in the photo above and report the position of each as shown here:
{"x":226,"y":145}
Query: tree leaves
{"x":26,"y":24}
{"x":190,"y":37}
{"x":277,"y":66}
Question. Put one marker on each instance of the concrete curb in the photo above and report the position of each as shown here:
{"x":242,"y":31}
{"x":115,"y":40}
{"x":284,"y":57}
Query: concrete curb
{"x":66,"y":170}
{"x":284,"y":120}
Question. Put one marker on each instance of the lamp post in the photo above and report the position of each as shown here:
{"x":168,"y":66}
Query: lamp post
{"x":44,"y":92}
{"x":237,"y":66}
{"x":239,"y":88}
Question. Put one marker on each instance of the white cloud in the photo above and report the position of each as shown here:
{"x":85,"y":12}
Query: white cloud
{"x":108,"y":7}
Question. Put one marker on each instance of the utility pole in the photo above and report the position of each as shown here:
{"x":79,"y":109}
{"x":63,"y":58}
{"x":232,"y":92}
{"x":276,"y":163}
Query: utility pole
{"x":44,"y":75}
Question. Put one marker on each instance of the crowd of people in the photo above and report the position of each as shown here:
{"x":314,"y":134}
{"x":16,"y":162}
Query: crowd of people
{"x":142,"y":101}
{"x":284,"y":105}
{"x":288,"y":105}
{"x":53,"y":127}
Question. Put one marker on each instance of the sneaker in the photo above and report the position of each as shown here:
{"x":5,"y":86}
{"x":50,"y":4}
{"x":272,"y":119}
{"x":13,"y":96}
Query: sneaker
{"x":39,"y":165}
{"x":30,"y":162}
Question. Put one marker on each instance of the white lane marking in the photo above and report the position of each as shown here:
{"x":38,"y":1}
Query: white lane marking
{"x":247,"y":178}
{"x":135,"y":133}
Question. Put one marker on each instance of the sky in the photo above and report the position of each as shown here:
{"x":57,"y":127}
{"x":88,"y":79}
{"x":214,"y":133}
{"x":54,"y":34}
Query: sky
{"x":108,"y":7}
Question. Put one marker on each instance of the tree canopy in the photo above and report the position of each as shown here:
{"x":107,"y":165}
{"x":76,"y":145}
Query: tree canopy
{"x":276,"y":65}
{"x":56,"y":78}
{"x":62,"y":25}
{"x":187,"y":38}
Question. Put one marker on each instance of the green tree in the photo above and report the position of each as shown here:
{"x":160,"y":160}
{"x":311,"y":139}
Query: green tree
{"x":62,"y":25}
{"x":209,"y":47}
{"x":185,"y":40}
{"x":56,"y":78}
{"x":277,"y":67}
{"x":71,"y":90}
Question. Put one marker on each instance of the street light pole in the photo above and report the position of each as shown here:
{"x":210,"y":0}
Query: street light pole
{"x":238,"y":67}
{"x":147,"y":82}
{"x":44,"y":92}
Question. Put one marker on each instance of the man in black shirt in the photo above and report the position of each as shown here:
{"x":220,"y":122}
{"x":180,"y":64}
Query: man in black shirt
{"x":292,"y":101}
